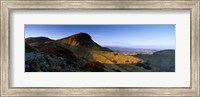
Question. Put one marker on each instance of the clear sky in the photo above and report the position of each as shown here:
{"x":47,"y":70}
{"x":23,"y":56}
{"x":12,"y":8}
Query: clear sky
{"x":133,"y":36}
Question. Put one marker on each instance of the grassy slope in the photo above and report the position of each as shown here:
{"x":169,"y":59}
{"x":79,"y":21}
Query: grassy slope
{"x":106,"y":57}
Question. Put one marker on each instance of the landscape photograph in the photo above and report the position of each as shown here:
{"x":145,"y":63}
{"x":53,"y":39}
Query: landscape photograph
{"x":99,"y":48}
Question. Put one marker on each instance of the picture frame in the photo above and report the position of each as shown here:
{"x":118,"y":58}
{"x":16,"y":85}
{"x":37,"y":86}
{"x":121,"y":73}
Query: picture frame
{"x":7,"y":6}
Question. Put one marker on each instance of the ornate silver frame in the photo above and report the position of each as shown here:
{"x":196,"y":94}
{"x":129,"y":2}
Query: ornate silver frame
{"x":8,"y":5}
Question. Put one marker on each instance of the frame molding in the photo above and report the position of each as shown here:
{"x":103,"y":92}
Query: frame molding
{"x":8,"y":5}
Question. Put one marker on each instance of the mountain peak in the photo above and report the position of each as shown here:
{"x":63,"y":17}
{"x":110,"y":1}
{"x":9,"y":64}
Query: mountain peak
{"x":81,"y":39}
{"x":82,"y":36}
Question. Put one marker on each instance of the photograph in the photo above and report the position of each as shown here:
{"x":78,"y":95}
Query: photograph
{"x":100,"y":47}
{"x":104,"y":48}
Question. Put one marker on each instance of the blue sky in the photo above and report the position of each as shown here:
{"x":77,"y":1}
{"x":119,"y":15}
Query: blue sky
{"x":133,"y":36}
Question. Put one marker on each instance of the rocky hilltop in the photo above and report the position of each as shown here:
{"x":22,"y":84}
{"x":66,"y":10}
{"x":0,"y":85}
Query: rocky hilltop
{"x":80,"y":40}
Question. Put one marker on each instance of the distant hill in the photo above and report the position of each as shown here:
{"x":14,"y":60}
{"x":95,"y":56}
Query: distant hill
{"x":37,"y":40}
{"x":164,"y":59}
{"x":78,"y":53}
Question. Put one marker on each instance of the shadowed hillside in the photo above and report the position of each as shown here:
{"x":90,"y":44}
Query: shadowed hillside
{"x":52,"y":59}
{"x":164,"y":60}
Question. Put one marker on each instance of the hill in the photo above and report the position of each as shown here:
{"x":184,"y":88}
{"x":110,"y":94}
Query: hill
{"x":82,"y":45}
{"x":82,"y":40}
{"x":78,"y":53}
{"x":164,"y":60}
{"x":37,"y":42}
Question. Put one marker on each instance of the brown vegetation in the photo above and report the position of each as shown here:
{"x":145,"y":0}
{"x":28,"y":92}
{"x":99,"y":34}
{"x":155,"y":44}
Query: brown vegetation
{"x":93,"y":66}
